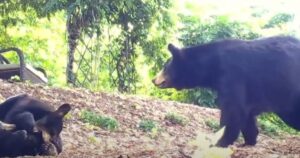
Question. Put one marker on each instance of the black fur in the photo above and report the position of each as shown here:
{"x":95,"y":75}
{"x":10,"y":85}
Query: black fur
{"x":36,"y":118}
{"x":250,"y":77}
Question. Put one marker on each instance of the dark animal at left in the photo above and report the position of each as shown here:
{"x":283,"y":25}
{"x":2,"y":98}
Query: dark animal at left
{"x":37,"y":127}
{"x":17,"y":143}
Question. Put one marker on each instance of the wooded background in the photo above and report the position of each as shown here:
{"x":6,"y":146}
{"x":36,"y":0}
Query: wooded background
{"x":119,"y":45}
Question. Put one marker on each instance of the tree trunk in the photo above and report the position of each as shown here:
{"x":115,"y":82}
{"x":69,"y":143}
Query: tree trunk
{"x":73,"y":29}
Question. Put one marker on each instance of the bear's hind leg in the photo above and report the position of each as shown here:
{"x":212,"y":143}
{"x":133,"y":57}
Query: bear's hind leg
{"x":250,"y":131}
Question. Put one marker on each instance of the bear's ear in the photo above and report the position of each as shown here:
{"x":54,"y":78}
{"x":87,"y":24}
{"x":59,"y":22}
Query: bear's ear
{"x":174,"y":50}
{"x":63,"y":110}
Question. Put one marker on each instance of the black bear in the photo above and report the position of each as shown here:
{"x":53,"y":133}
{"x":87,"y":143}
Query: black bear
{"x":42,"y":124}
{"x":250,"y":77}
{"x":18,"y":143}
{"x":10,"y":142}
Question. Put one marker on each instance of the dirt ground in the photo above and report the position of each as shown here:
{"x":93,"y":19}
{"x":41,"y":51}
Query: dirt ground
{"x":170,"y":141}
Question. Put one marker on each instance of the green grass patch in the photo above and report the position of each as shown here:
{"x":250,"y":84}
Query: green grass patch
{"x":212,"y":124}
{"x":271,"y":125}
{"x":148,"y":125}
{"x":98,"y":120}
{"x":151,"y":127}
{"x":175,"y":118}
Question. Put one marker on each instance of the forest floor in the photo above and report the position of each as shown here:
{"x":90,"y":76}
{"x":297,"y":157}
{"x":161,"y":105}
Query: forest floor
{"x":193,"y":139}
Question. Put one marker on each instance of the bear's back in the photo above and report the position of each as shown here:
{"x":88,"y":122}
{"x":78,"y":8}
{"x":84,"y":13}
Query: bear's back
{"x":21,"y":103}
{"x":269,"y":68}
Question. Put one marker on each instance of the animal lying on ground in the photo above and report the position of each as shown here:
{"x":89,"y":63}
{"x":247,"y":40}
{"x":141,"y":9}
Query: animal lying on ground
{"x":250,"y":77}
{"x":36,"y":127}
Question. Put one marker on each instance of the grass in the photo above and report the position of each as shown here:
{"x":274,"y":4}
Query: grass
{"x":150,"y":127}
{"x":175,"y":118}
{"x":98,"y":120}
{"x":212,"y":124}
{"x":272,"y":125}
{"x":147,"y":125}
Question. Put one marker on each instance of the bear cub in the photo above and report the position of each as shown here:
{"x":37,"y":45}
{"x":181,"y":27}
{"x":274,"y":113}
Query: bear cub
{"x":36,"y":126}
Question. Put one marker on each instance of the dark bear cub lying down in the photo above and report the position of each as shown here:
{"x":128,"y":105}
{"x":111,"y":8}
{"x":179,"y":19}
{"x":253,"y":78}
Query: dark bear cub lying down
{"x":37,"y":127}
{"x":250,"y":77}
{"x":18,"y":143}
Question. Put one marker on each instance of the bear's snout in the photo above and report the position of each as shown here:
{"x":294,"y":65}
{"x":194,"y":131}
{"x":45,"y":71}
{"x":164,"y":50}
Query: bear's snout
{"x":160,"y":80}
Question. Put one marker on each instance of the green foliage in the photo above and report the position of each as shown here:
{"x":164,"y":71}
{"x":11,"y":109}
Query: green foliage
{"x":272,"y":125}
{"x":212,"y":124}
{"x":129,"y":21}
{"x":15,"y":78}
{"x":148,"y":125}
{"x":279,"y":19}
{"x":175,"y":118}
{"x":124,"y":28}
{"x":98,"y":120}
{"x":197,"y":31}
{"x":201,"y":97}
{"x":269,"y":128}
{"x":41,"y":47}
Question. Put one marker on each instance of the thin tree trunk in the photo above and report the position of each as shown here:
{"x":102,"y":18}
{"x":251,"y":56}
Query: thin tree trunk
{"x":73,"y":29}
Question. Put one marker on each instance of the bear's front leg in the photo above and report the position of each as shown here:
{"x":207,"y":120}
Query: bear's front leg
{"x":231,"y":100}
{"x":232,"y":120}
{"x":23,"y":121}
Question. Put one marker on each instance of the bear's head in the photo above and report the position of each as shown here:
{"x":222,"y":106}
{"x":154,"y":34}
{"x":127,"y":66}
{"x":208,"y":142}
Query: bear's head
{"x":51,"y":126}
{"x":172,"y":74}
{"x":20,"y":142}
{"x":40,"y":121}
{"x":188,"y":68}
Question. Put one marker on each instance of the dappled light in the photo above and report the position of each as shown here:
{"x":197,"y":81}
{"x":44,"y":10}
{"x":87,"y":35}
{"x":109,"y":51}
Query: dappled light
{"x":139,"y":85}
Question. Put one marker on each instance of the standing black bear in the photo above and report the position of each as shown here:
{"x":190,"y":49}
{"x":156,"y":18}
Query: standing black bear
{"x":250,"y":77}
{"x":38,"y":119}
